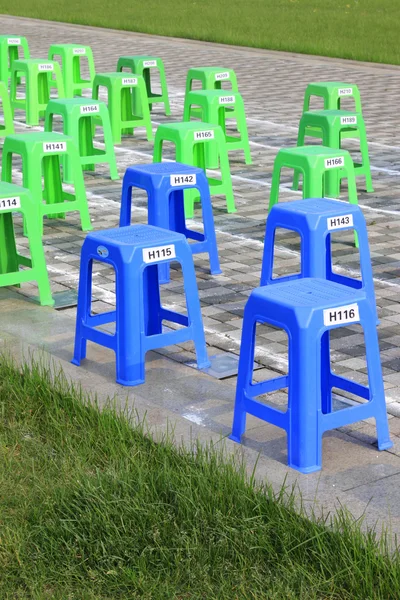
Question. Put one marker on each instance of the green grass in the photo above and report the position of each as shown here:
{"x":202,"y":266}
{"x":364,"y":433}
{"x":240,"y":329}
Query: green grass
{"x":92,"y":508}
{"x":357,"y":29}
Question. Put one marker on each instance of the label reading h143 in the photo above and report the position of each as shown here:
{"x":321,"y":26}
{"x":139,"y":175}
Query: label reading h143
{"x":54,"y":146}
{"x":331,"y":163}
{"x":183,"y":179}
{"x":158,"y":253}
{"x":227,"y":100}
{"x":129,"y":81}
{"x":339,"y":222}
{"x":345,"y":91}
{"x":348,"y":120}
{"x":204,"y":135}
{"x":343,"y":314}
{"x":90,"y":109}
{"x":7,"y":203}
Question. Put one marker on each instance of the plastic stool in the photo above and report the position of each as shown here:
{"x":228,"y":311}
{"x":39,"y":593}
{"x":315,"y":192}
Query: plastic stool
{"x":135,"y":253}
{"x":315,"y":220}
{"x":213,"y":109}
{"x":330,"y":126}
{"x":190,"y":139}
{"x":37,"y":74}
{"x":164,"y":184}
{"x":7,"y":127}
{"x":41,"y":153}
{"x":9,"y":51}
{"x":77,"y":115}
{"x":122,"y":90}
{"x":144,"y":65}
{"x":17,"y":199}
{"x":71,"y":56}
{"x":211,"y":78}
{"x":307,"y":309}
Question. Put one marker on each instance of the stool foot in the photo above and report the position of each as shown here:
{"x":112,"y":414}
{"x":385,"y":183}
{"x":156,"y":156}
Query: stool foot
{"x":235,"y":438}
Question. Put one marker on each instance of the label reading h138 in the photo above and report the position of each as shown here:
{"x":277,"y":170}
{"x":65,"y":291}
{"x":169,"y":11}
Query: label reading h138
{"x":189,"y":179}
{"x":341,"y":315}
{"x":151,"y":255}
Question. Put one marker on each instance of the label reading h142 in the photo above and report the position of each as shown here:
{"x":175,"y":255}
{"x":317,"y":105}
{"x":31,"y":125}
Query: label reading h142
{"x":90,"y":109}
{"x":7,"y":203}
{"x":79,"y":51}
{"x":14,"y":41}
{"x":345,"y":91}
{"x":227,"y":100}
{"x":343,"y":314}
{"x":339,"y":222}
{"x":54,"y":146}
{"x":204,"y":135}
{"x":149,"y":63}
{"x":220,"y":76}
{"x":129,"y":81}
{"x":158,"y":253}
{"x":183,"y":179}
{"x":331,"y":163}
{"x":46,"y":67}
{"x":348,"y":120}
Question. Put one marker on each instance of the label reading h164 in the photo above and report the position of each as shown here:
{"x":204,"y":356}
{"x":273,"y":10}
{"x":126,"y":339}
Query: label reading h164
{"x":149,"y":63}
{"x":46,"y":67}
{"x":7,"y":203}
{"x":204,"y":135}
{"x":339,"y":222}
{"x":220,"y":76}
{"x":227,"y":100}
{"x":341,"y":315}
{"x":54,"y":146}
{"x":348,"y":120}
{"x":79,"y":51}
{"x":14,"y":41}
{"x":345,"y":91}
{"x":331,"y":163}
{"x":129,"y":81}
{"x":158,"y":253}
{"x":183,"y":179}
{"x":90,"y":109}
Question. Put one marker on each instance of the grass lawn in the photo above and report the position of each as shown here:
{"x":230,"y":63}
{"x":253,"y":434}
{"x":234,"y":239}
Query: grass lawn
{"x":91,"y":508}
{"x":357,"y":29}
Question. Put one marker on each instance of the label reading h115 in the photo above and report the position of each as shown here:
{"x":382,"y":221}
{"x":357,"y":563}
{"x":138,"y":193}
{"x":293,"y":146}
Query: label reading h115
{"x":339,"y":222}
{"x":79,"y":51}
{"x":219,"y":76}
{"x":348,"y":120}
{"x":7,"y":203}
{"x":14,"y":41}
{"x":149,"y":63}
{"x":46,"y":67}
{"x":345,"y":91}
{"x":129,"y":81}
{"x":90,"y":109}
{"x":331,"y":163}
{"x":54,"y":146}
{"x":227,"y":100}
{"x":343,"y":314}
{"x":204,"y":135}
{"x":158,"y":253}
{"x":189,"y":179}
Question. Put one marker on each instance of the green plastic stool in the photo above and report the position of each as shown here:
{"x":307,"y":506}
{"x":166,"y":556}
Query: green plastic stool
{"x":190,"y":139}
{"x":211,"y":78}
{"x":41,"y":153}
{"x":37,"y":74}
{"x":144,"y":65}
{"x":10,"y":46}
{"x":17,"y":199}
{"x":122,"y":89}
{"x":331,"y":125}
{"x":213,"y":109}
{"x":71,"y":56}
{"x":77,"y":116}
{"x":7,"y":127}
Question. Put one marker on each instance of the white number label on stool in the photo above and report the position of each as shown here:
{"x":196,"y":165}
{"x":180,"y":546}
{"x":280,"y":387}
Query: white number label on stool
{"x":79,"y":51}
{"x":149,"y":63}
{"x":44,"y":67}
{"x":175,"y":180}
{"x":89,"y":109}
{"x":204,"y":135}
{"x":338,"y":222}
{"x":129,"y":81}
{"x":7,"y":203}
{"x":151,"y":255}
{"x":219,"y":76}
{"x":14,"y":41}
{"x":54,"y":146}
{"x":330,"y":163}
{"x":343,"y":314}
{"x":227,"y":100}
{"x":348,"y":120}
{"x":345,"y":91}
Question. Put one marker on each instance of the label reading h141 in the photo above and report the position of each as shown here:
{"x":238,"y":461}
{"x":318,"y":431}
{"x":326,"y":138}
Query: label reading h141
{"x":79,"y":51}
{"x":7,"y":203}
{"x":339,"y":222}
{"x":46,"y":67}
{"x":90,"y":109}
{"x":54,"y":146}
{"x":14,"y":41}
{"x":204,"y":135}
{"x":227,"y":100}
{"x":345,"y":91}
{"x":219,"y":76}
{"x":343,"y":314}
{"x":183,"y":179}
{"x":348,"y":120}
{"x":129,"y":81}
{"x":158,"y":253}
{"x":149,"y":63}
{"x":331,"y":163}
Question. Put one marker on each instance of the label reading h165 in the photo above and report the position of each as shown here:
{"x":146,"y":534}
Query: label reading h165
{"x":339,"y":222}
{"x":331,"y":163}
{"x":220,"y":76}
{"x":90,"y":109}
{"x":54,"y":146}
{"x":79,"y":51}
{"x":14,"y":41}
{"x":7,"y":203}
{"x":158,"y":253}
{"x":204,"y":135}
{"x":46,"y":67}
{"x":129,"y":81}
{"x":343,"y":314}
{"x":227,"y":100}
{"x":348,"y":120}
{"x":149,"y":63}
{"x":183,"y":179}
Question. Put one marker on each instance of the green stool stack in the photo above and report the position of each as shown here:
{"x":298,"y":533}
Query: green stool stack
{"x":37,"y":73}
{"x":144,"y":66}
{"x":77,"y":116}
{"x":41,"y":153}
{"x":211,"y":78}
{"x":10,"y":46}
{"x":7,"y":127}
{"x":214,"y":105}
{"x":17,"y":199}
{"x":122,"y":90}
{"x":190,"y":139}
{"x":71,"y":56}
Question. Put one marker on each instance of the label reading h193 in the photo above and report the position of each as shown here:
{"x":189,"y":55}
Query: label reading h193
{"x":7,"y":203}
{"x":348,"y":120}
{"x":189,"y":179}
{"x":227,"y":100}
{"x":79,"y":51}
{"x":220,"y":76}
{"x":204,"y":135}
{"x":90,"y":109}
{"x":14,"y":41}
{"x":331,"y":163}
{"x":343,"y":314}
{"x":129,"y":81}
{"x":158,"y":253}
{"x":149,"y":63}
{"x":46,"y":67}
{"x":339,"y":222}
{"x":54,"y":146}
{"x":345,"y":91}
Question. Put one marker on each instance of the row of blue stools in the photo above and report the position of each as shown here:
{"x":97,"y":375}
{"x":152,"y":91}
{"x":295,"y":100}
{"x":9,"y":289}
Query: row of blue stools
{"x":307,"y":305}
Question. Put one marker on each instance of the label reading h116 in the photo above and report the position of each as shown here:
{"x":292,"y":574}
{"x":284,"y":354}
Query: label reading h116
{"x":129,"y":81}
{"x":348,"y":120}
{"x":343,"y":314}
{"x":46,"y":67}
{"x":331,"y":163}
{"x":220,"y":76}
{"x":227,"y":100}
{"x":7,"y":203}
{"x":54,"y":146}
{"x":149,"y":63}
{"x":339,"y":222}
{"x":189,"y":179}
{"x":151,"y":255}
{"x":204,"y":135}
{"x":90,"y":109}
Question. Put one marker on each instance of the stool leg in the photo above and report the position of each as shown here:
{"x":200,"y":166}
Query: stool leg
{"x":8,"y":248}
{"x":267,"y":268}
{"x":39,"y":262}
{"x":226,"y":178}
{"x":352,"y":192}
{"x":52,"y":183}
{"x":83,"y":308}
{"x":300,"y":142}
{"x":164,"y":91}
{"x":152,"y":300}
{"x":86,"y":147}
{"x":209,"y":235}
{"x":126,"y":204}
{"x":326,"y":387}
{"x":276,"y":178}
{"x":194,"y":311}
{"x":365,"y":158}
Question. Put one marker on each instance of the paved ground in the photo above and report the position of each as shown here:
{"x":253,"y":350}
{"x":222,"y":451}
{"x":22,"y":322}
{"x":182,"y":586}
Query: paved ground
{"x":272,"y":84}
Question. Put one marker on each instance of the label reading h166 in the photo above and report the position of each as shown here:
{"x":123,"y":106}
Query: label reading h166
{"x":176,"y":180}
{"x":129,"y":81}
{"x":90,"y":109}
{"x":79,"y":51}
{"x":227,"y":100}
{"x":204,"y":135}
{"x":158,"y":253}
{"x":54,"y":146}
{"x":345,"y":91}
{"x":220,"y":76}
{"x":46,"y":67}
{"x":8,"y":203}
{"x":339,"y":222}
{"x":149,"y":63}
{"x":341,"y":315}
{"x":14,"y":41}
{"x":331,"y":163}
{"x":348,"y":120}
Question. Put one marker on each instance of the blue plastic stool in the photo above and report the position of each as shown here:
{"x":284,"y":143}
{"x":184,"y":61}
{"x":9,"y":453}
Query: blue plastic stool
{"x":135,"y":253}
{"x":307,"y":309}
{"x":315,"y":219}
{"x":164,"y":184}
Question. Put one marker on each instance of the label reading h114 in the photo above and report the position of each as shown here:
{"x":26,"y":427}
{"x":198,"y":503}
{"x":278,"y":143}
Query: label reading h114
{"x":348,"y":120}
{"x":219,"y":76}
{"x":343,"y":314}
{"x":189,"y":179}
{"x":7,"y":203}
{"x":46,"y":67}
{"x":129,"y":81}
{"x":227,"y":100}
{"x":79,"y":51}
{"x":331,"y":163}
{"x":158,"y":253}
{"x":149,"y":63}
{"x":345,"y":91}
{"x":14,"y":41}
{"x":339,"y":222}
{"x":54,"y":146}
{"x":90,"y":109}
{"x":204,"y":135}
